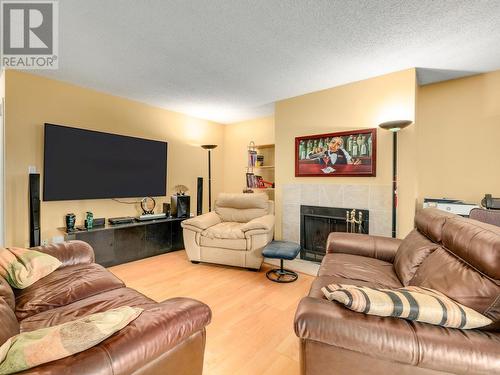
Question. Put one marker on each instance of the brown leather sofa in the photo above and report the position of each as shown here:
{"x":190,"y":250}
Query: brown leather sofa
{"x":167,"y":338}
{"x":459,"y":257}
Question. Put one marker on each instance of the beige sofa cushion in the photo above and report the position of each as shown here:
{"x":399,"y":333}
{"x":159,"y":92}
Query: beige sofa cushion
{"x":229,"y":244}
{"x":227,"y":235}
{"x":226,"y":230}
{"x":241,"y":208}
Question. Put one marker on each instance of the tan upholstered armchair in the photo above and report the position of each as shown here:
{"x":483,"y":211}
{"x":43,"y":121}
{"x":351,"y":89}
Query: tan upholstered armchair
{"x":235,"y":234}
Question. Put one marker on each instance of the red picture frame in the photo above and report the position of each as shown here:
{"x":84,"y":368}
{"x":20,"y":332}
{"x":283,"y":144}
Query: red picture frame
{"x":351,"y":153}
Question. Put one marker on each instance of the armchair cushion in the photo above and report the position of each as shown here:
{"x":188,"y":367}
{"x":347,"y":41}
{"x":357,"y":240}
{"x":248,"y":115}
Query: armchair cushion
{"x":226,"y":230}
{"x":241,"y":208}
{"x":202,"y":222}
{"x":265,"y":223}
{"x":382,"y":248}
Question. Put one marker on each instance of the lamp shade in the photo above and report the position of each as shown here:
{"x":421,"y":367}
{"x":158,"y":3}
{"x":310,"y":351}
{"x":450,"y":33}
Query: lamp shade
{"x":395,"y":126}
{"x":208,"y":147}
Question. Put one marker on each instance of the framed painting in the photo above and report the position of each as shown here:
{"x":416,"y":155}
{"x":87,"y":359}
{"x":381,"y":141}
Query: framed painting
{"x":341,"y":154}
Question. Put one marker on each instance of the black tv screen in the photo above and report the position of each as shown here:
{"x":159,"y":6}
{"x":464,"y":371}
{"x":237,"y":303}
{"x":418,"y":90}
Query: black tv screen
{"x":85,"y":164}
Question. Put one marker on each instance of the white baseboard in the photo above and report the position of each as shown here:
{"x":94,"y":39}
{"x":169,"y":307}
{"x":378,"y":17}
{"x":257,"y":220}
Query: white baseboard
{"x":297,"y":265}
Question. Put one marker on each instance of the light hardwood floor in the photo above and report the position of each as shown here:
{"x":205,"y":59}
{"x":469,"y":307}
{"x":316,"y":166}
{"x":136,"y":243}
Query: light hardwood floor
{"x":252,"y":325}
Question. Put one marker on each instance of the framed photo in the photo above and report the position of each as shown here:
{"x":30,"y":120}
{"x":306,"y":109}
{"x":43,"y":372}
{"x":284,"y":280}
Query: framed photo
{"x":349,"y":153}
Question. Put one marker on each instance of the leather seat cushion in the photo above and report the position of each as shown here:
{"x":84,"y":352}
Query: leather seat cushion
{"x":64,"y":286}
{"x":98,"y":303}
{"x":359,"y":268}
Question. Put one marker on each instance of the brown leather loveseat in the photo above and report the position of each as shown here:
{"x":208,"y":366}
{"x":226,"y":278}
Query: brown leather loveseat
{"x":167,"y":338}
{"x":459,"y":257}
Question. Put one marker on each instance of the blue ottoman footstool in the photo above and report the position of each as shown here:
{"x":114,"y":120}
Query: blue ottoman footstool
{"x":282,"y":250}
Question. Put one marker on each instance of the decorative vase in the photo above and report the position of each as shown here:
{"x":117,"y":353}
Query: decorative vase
{"x":70,"y":222}
{"x":89,"y":221}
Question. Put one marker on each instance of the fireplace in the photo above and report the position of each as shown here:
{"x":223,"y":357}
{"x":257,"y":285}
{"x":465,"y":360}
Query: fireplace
{"x":316,"y":223}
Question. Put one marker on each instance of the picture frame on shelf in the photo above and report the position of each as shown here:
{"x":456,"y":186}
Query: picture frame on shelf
{"x":351,"y":153}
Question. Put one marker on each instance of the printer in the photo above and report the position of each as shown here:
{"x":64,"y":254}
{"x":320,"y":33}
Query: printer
{"x":453,"y":206}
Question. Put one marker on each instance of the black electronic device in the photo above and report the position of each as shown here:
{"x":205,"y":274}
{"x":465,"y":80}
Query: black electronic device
{"x":85,"y":164}
{"x":121,"y":220}
{"x":180,"y":205}
{"x":99,"y":222}
{"x":166,"y":209}
{"x":199,"y":196}
{"x":34,"y":206}
{"x":490,"y":203}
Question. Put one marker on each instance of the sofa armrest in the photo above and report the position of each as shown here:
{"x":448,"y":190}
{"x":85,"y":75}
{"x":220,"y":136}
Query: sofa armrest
{"x":378,"y":247}
{"x":69,"y":253}
{"x":202,"y":222}
{"x":393,"y":339}
{"x":156,"y":331}
{"x":265,"y":223}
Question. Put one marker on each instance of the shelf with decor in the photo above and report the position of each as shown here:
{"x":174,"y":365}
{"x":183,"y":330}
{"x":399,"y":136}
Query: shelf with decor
{"x":260,"y":169}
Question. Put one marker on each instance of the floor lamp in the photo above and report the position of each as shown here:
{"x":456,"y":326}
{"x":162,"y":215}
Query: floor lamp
{"x":209,"y":148}
{"x":395,"y":127}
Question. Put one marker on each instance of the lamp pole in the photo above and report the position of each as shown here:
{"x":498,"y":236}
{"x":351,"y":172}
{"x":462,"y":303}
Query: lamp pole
{"x":395,"y":127}
{"x":209,"y":148}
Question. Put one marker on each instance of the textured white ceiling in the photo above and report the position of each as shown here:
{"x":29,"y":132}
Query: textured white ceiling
{"x":230,"y":60}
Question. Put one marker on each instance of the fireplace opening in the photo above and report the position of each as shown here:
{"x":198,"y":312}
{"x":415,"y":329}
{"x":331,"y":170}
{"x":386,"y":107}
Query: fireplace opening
{"x":316,"y":223}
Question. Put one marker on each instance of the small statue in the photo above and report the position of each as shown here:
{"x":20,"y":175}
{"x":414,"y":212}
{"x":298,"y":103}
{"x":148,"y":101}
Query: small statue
{"x":180,"y":189}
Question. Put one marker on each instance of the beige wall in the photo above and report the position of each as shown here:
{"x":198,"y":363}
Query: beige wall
{"x":358,"y":105}
{"x":459,"y":138}
{"x":33,"y":100}
{"x":236,"y":139}
{"x":2,"y":168}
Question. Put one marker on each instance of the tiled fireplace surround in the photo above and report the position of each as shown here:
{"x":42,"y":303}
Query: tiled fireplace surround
{"x":375,"y":198}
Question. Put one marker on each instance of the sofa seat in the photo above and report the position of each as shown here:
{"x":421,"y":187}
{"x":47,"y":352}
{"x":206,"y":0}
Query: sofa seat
{"x":225,"y":235}
{"x":98,"y":303}
{"x":359,"y":268}
{"x":397,"y":340}
{"x":64,"y":286}
{"x":166,"y":338}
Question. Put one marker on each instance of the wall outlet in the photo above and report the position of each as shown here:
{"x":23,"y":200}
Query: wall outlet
{"x":58,"y":239}
{"x":44,"y":242}
{"x":31,"y":169}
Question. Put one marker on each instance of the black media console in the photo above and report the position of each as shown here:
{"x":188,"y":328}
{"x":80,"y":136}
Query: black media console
{"x":122,"y":243}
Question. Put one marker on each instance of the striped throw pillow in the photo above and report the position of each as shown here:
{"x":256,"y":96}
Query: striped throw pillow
{"x":412,"y":303}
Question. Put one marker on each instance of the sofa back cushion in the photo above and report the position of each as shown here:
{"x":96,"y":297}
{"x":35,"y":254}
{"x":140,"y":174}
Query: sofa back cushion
{"x":241,"y":208}
{"x":430,"y":222}
{"x":9,"y":325}
{"x":414,"y":249}
{"x":7,"y":293}
{"x":466,"y":267}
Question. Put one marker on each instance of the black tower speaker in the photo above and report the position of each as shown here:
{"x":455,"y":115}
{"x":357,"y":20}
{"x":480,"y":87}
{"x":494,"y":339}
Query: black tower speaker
{"x":34,"y":203}
{"x":199,"y":196}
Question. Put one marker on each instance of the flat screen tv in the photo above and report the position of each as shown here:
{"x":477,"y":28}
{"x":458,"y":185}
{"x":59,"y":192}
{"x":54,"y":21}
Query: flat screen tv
{"x":85,"y":164}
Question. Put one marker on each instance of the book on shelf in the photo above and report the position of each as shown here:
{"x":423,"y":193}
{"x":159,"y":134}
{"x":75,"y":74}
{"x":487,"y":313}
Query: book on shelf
{"x":252,"y":158}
